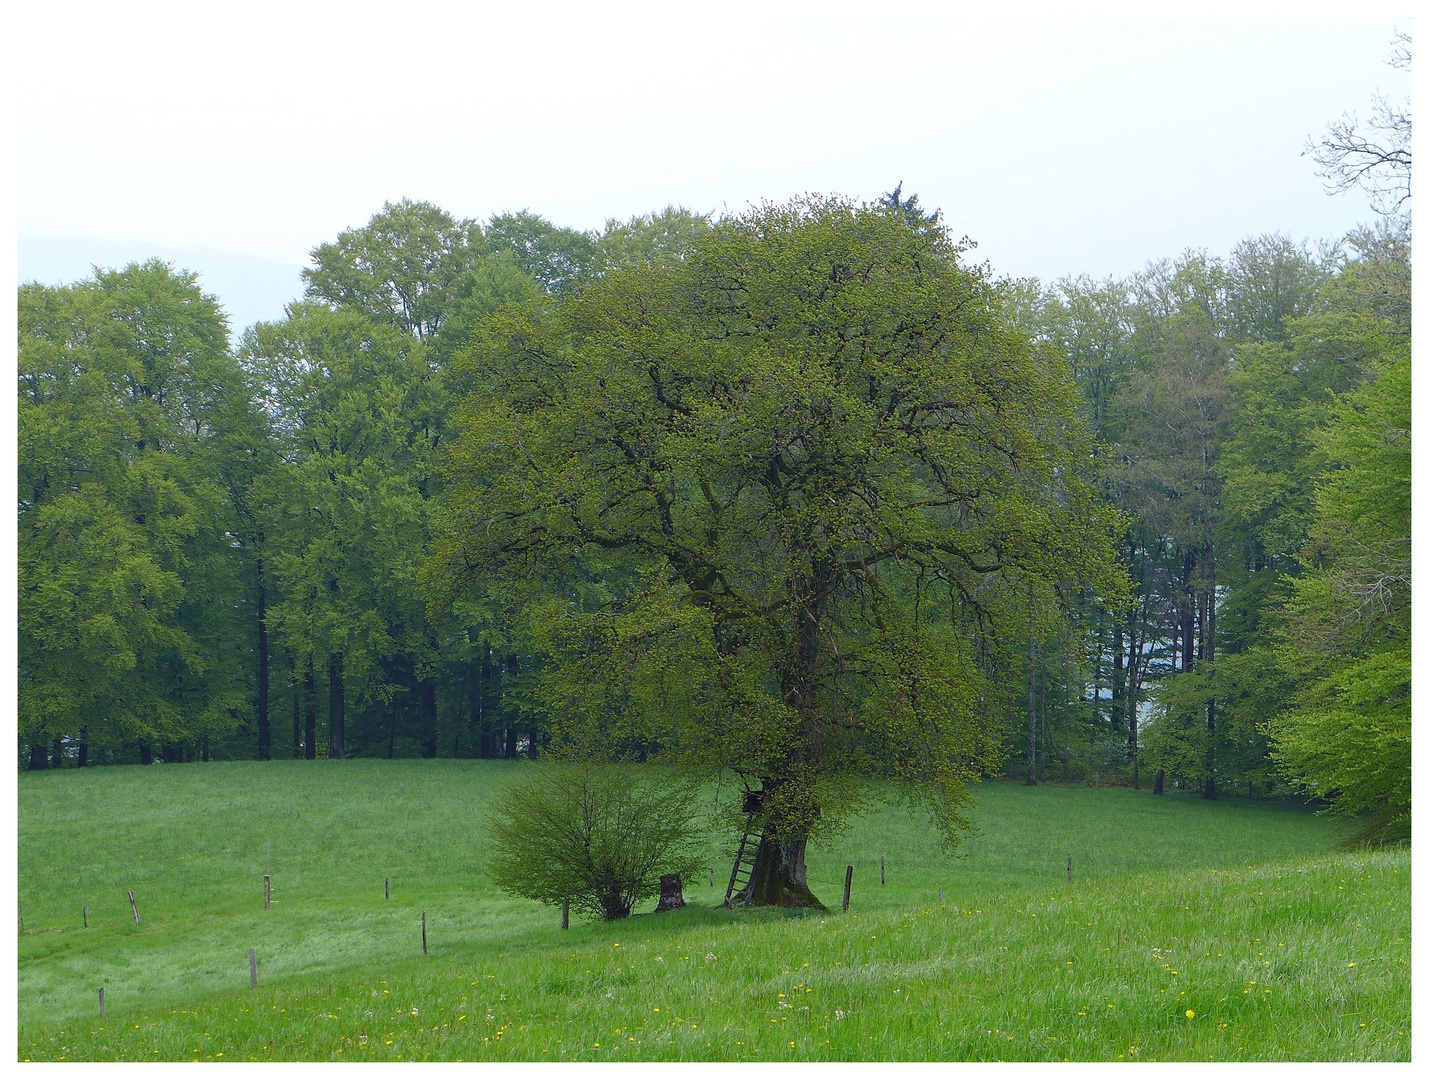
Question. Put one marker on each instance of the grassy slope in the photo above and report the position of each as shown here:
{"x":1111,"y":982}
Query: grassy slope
{"x":934,"y":982}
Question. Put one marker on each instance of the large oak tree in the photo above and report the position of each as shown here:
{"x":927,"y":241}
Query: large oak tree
{"x":771,"y":501}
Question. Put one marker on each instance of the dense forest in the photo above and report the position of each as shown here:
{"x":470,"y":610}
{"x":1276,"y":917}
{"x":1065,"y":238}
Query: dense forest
{"x":500,"y":489}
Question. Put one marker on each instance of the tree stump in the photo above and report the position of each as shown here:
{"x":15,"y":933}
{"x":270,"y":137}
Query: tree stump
{"x":672,"y":896}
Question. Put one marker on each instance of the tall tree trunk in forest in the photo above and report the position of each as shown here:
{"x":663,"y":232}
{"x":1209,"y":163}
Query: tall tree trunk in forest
{"x":511,"y":736}
{"x":310,"y":719}
{"x":1031,"y":700}
{"x":1046,"y":723}
{"x":427,"y":705}
{"x":336,"y":717}
{"x":485,"y":713}
{"x":265,"y":731}
{"x":1118,"y":677}
{"x":83,"y":747}
{"x":1208,"y":657}
{"x":57,"y":754}
{"x":39,"y":757}
{"x":1134,"y":661}
{"x":146,"y":754}
{"x":297,"y":718}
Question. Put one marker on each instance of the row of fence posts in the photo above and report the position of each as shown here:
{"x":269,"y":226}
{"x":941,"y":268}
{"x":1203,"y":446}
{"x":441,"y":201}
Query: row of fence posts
{"x":267,"y":905}
{"x":387,"y":895}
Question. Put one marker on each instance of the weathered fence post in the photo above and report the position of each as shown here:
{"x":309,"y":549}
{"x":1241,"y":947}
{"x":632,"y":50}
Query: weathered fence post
{"x":267,"y":891}
{"x":882,"y":871}
{"x":848,"y":885}
{"x":940,"y":896}
{"x":101,"y":1003}
{"x":253,"y":969}
{"x":134,"y":907}
{"x":84,"y":912}
{"x":387,"y":888}
{"x":22,"y":916}
{"x":1069,"y":868}
{"x":565,"y":914}
{"x":424,"y":933}
{"x":711,"y":877}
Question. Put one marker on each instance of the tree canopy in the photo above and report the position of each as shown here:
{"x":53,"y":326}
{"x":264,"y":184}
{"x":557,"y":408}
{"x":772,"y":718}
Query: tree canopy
{"x":806,"y":470}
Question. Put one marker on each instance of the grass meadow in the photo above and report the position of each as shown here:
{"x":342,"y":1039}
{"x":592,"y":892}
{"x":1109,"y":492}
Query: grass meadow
{"x":1190,"y":931}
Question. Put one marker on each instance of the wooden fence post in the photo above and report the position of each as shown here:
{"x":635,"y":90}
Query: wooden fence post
{"x":387,"y":888}
{"x":565,"y":914}
{"x":84,"y":912}
{"x":424,"y":933}
{"x":267,"y":891}
{"x":101,"y":1003}
{"x":1069,"y":868}
{"x":22,"y":916}
{"x":134,"y":907}
{"x":882,"y":871}
{"x":848,"y":885}
{"x":711,"y":877}
{"x":940,"y":896}
{"x":253,"y":969}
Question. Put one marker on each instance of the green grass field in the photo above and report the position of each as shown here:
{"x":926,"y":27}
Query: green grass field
{"x":1248,"y":916}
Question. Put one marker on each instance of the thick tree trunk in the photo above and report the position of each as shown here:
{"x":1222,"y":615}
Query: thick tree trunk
{"x":39,"y":757}
{"x":780,"y":878}
{"x":83,"y":747}
{"x":337,"y":719}
{"x":146,"y":754}
{"x":310,"y":719}
{"x":265,"y":731}
{"x":511,"y":734}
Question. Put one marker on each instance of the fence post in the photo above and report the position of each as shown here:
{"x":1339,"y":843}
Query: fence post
{"x":101,"y":1003}
{"x":84,"y":911}
{"x":565,"y":914}
{"x":267,"y":891}
{"x":882,"y":871}
{"x":940,"y":896}
{"x":134,"y":907}
{"x":1069,"y":868}
{"x":253,"y":969}
{"x":387,"y":888}
{"x":424,"y":933}
{"x":848,"y":885}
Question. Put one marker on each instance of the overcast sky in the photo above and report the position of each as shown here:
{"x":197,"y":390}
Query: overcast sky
{"x":1059,"y":146}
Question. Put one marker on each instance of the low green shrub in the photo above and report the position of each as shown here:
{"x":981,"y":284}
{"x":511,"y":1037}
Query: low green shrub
{"x":598,"y":835}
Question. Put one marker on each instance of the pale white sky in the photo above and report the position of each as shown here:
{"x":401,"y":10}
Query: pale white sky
{"x":263,"y":129}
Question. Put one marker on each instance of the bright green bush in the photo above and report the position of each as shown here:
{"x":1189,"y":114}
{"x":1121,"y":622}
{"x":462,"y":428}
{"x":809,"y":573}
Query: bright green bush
{"x":596,"y":834}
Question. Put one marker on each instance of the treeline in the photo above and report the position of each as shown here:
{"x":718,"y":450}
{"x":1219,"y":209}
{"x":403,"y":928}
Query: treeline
{"x":1252,"y":416}
{"x":229,"y":552}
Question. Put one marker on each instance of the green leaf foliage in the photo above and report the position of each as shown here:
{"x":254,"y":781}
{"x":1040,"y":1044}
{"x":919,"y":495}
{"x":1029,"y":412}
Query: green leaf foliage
{"x":804,"y":467}
{"x":598,"y":835}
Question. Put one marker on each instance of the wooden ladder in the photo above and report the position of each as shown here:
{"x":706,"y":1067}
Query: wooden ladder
{"x":744,"y":861}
